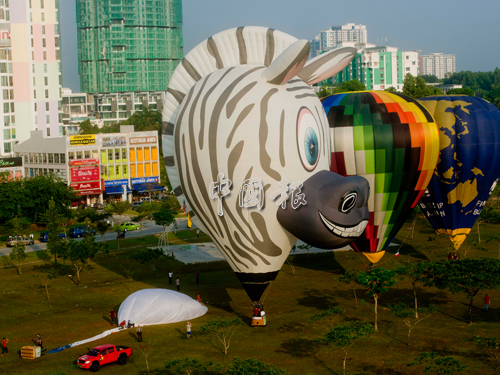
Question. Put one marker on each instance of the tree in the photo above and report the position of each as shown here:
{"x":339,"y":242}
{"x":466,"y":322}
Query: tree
{"x":345,"y":335}
{"x":332,"y":314}
{"x":462,"y":91}
{"x":118,"y":208}
{"x":10,"y":197}
{"x":391,"y":89}
{"x":352,"y":85}
{"x":82,"y":251}
{"x":489,"y":345}
{"x":54,"y":221}
{"x":377,"y":281}
{"x":85,"y":127}
{"x":37,"y":192}
{"x":94,"y":216}
{"x":145,"y":350}
{"x":251,"y":366}
{"x":145,"y":212}
{"x":223,"y":330}
{"x":487,"y":214}
{"x":164,"y":217}
{"x":18,"y":253}
{"x":307,"y":248}
{"x":428,"y":78}
{"x":468,"y":276}
{"x":192,"y":366}
{"x":408,"y":317}
{"x":350,"y":276}
{"x":415,"y":272}
{"x":438,"y":365}
{"x":416,"y":88}
{"x":46,"y":277}
{"x":102,"y":227}
{"x":149,"y":257}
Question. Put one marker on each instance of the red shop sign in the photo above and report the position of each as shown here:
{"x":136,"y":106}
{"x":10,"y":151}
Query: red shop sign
{"x":84,"y":162}
{"x":89,"y":192}
{"x":85,"y":174}
{"x":86,"y":186}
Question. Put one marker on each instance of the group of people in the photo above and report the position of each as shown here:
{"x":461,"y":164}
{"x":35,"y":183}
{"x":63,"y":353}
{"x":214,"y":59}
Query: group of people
{"x":129,"y":324}
{"x":453,"y":256}
{"x":258,"y":311}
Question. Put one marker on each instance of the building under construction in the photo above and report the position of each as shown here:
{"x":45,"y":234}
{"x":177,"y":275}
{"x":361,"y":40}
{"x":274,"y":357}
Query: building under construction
{"x":128,"y":45}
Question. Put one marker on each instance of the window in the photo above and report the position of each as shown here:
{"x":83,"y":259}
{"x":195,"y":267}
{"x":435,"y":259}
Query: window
{"x":31,"y":157}
{"x":48,"y":132}
{"x":79,"y":155}
{"x":117,"y":154}
{"x":46,"y":94}
{"x":63,"y":158}
{"x":124,"y":153}
{"x":34,"y":94}
{"x":45,"y":158}
{"x":95,"y":154}
{"x":43,"y":20}
{"x":46,"y":79}
{"x":44,"y":54}
{"x":110,"y":155}
{"x":47,"y":118}
{"x":56,"y":159}
{"x":71,"y":155}
{"x":407,"y":69}
{"x":26,"y":158}
{"x":45,"y":68}
{"x":125,"y":171}
{"x":41,"y":4}
{"x":6,"y":147}
{"x":43,"y":29}
{"x":6,"y":120}
{"x":51,"y":158}
{"x":87,"y":154}
{"x":44,"y":41}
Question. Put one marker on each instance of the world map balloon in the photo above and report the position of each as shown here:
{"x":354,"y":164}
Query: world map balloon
{"x":393,"y":142}
{"x":469,"y":163}
{"x":247,"y":147}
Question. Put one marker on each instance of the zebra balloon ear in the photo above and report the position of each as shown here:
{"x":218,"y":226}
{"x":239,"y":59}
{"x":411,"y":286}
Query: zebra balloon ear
{"x":327,"y":64}
{"x":288,"y":64}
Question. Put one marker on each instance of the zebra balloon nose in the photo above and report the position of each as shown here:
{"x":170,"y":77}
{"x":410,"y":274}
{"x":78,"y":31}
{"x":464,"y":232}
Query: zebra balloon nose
{"x":336,"y":212}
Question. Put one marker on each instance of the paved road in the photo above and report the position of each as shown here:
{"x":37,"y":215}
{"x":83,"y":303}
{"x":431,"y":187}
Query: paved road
{"x":148,"y":228}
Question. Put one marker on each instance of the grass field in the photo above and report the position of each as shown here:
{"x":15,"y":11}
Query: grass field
{"x":78,"y":312}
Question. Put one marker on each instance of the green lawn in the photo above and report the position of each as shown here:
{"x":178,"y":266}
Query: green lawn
{"x":78,"y":312}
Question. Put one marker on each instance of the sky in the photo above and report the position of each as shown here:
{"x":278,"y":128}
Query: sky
{"x":469,"y":30}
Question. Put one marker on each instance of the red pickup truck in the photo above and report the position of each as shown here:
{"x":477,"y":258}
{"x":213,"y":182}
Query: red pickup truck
{"x":103,"y":355}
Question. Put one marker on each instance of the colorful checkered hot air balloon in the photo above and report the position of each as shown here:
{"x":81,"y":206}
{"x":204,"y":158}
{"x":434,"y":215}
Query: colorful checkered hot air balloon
{"x":393,"y":142}
{"x":469,"y":163}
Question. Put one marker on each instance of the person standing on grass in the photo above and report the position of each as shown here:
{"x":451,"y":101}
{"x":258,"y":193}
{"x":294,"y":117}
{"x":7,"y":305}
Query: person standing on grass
{"x":4,"y":346}
{"x":487,"y":301}
{"x":112,"y":315}
{"x":197,"y":277}
{"x":197,"y":233}
{"x":139,"y":333}
{"x":170,"y":275}
{"x":188,"y":328}
{"x":178,"y":282}
{"x":39,"y":340}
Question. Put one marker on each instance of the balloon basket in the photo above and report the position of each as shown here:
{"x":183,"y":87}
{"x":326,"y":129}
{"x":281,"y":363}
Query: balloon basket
{"x":259,"y":321}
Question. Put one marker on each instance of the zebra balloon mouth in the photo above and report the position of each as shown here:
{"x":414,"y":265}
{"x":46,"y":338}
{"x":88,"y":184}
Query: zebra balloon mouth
{"x":341,"y":231}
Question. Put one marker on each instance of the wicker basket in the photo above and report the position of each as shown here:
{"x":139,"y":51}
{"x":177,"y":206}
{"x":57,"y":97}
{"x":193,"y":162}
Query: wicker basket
{"x":31,"y":352}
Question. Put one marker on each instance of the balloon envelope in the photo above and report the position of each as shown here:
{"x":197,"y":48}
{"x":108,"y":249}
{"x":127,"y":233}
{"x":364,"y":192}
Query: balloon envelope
{"x":469,"y":163}
{"x":393,"y":142}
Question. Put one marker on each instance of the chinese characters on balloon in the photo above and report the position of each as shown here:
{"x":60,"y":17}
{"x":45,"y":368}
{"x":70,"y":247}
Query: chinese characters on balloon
{"x":251,"y":193}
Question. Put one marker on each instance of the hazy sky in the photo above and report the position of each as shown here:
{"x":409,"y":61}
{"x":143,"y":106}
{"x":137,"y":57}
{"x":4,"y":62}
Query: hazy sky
{"x":468,"y":29}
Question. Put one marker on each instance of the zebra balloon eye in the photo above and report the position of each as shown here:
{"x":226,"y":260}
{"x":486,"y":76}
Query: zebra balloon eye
{"x":308,"y":144}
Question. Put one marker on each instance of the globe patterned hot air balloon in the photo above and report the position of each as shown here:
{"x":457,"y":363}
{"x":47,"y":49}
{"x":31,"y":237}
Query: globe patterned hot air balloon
{"x":245,"y":138}
{"x":393,"y":142}
{"x":469,"y":163}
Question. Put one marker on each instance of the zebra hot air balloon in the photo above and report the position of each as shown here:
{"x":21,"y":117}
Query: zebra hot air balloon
{"x":246,"y":146}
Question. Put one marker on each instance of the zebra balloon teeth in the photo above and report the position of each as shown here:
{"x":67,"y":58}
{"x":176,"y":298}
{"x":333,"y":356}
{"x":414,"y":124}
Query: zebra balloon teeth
{"x":247,"y":148}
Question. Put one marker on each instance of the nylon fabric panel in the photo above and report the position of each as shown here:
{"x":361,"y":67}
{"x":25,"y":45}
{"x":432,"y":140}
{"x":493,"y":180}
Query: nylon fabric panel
{"x":399,"y":148}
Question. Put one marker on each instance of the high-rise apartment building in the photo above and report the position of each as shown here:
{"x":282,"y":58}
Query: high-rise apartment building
{"x":128,"y":45}
{"x":437,"y":64}
{"x":378,"y":67}
{"x":328,"y":39}
{"x":30,"y":70}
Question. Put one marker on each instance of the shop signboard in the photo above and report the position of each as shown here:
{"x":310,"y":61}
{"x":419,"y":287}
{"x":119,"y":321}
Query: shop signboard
{"x":145,"y":180}
{"x":82,"y":140}
{"x":89,"y":192}
{"x":119,"y":140}
{"x":142,"y":140}
{"x":11,"y":162}
{"x":83,"y":162}
{"x":86,"y":186}
{"x":84,"y":174}
{"x":111,"y":183}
